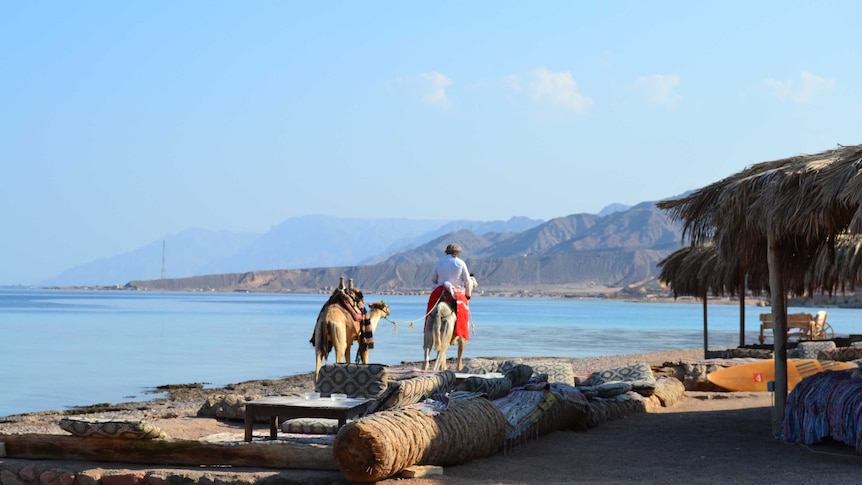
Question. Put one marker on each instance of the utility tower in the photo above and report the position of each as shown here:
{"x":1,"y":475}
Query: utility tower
{"x":163,"y":259}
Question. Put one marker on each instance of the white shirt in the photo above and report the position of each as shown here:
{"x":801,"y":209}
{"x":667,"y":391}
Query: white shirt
{"x":454,"y":270}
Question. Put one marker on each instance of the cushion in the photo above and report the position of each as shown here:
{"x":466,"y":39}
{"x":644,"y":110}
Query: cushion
{"x":310,"y":426}
{"x":484,"y":366}
{"x":640,"y":372}
{"x":738,"y":353}
{"x":416,"y":389}
{"x":225,"y":406}
{"x":843,"y":354}
{"x":557,"y":371}
{"x":355,"y":380}
{"x":112,"y":428}
{"x":494,"y":388}
{"x":809,"y":350}
{"x":606,"y":390}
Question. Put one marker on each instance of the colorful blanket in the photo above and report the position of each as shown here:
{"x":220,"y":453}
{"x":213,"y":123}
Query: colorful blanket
{"x":525,"y":406}
{"x":825,"y":405}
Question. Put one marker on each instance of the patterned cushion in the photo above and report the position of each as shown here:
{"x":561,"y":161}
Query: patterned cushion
{"x":225,"y":406}
{"x":417,"y":389}
{"x":556,"y":371}
{"x":355,"y":380}
{"x":112,"y":428}
{"x":485,"y":366}
{"x":843,"y":354}
{"x":809,"y":350}
{"x":630,"y":373}
{"x":310,"y":426}
{"x":493,"y":388}
{"x":738,"y":353}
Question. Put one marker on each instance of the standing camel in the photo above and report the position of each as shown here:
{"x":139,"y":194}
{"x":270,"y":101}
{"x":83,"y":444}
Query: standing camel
{"x":439,"y":329}
{"x":438,"y":335}
{"x":337,"y":328}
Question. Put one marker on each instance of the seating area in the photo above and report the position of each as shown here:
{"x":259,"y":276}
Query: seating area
{"x":800,"y":326}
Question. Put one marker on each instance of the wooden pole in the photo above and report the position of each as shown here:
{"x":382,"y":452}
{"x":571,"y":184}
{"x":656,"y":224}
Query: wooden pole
{"x":705,"y":327}
{"x":779,"y":329}
{"x":741,"y":306}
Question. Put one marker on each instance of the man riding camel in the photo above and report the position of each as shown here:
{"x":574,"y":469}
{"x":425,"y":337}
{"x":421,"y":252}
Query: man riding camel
{"x":453,"y":284}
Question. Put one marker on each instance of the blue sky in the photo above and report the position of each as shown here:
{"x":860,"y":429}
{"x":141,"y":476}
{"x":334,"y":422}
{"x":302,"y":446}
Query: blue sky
{"x":124,"y":122}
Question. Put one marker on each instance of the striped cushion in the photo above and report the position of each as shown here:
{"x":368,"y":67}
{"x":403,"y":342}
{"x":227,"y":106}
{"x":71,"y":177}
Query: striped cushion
{"x":416,"y":389}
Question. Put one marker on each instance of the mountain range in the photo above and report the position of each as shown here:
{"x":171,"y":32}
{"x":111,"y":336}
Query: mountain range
{"x":618,"y":247}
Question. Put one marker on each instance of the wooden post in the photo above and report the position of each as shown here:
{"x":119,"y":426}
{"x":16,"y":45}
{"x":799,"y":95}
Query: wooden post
{"x":341,"y":283}
{"x":741,"y":306}
{"x":779,"y":329}
{"x":705,"y":332}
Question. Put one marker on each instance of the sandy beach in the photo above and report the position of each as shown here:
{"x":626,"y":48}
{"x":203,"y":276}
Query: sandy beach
{"x":708,"y":437}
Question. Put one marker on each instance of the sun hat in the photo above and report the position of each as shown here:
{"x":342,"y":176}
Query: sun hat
{"x":453,"y":249}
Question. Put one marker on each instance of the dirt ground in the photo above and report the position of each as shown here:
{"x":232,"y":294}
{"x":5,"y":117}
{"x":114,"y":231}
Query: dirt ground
{"x":706,"y":438}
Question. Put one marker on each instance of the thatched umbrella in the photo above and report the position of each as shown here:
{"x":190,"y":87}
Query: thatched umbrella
{"x":700,"y":270}
{"x":786,"y":212}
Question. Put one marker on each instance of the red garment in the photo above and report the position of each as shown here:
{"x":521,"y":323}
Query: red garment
{"x":462,"y":309}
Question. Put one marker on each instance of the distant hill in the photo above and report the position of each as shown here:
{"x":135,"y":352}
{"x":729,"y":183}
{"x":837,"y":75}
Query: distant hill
{"x":185,"y":254}
{"x":299,"y":242}
{"x":579,"y":251}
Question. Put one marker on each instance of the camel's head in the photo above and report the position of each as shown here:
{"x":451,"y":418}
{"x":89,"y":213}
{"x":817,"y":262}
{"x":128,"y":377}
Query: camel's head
{"x":381,"y":307}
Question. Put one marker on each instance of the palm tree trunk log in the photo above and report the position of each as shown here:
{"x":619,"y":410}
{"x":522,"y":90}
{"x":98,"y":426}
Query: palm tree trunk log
{"x":383,"y":444}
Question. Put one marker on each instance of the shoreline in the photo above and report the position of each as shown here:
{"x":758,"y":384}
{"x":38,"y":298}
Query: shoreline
{"x":186,"y":399}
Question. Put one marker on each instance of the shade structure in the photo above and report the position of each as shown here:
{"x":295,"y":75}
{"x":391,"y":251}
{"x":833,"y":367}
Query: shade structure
{"x":788,"y":213}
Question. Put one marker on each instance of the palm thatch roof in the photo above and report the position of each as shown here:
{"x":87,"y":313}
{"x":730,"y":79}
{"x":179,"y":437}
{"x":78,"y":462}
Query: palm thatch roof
{"x":699,"y":270}
{"x":805,"y":203}
{"x":790,"y":213}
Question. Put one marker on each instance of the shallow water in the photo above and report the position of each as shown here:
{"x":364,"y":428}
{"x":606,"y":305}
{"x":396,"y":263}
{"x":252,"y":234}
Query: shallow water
{"x":68,"y":348}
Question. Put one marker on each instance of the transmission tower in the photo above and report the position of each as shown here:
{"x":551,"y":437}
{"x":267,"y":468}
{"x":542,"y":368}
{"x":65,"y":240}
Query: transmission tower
{"x":163,"y":259}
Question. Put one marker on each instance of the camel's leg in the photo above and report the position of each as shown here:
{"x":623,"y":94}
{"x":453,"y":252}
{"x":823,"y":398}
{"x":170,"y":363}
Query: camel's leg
{"x":428,"y":343}
{"x":447,"y":325}
{"x":440,"y":363}
{"x":364,"y":356}
{"x":339,"y":342}
{"x":461,"y":344}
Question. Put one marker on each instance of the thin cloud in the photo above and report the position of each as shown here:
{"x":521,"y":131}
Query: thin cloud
{"x":801,"y":91}
{"x":660,"y":88}
{"x":553,"y":88}
{"x":427,"y":87}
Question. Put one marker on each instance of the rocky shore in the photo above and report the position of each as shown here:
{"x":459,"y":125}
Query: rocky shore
{"x":173,"y":412}
{"x":707,"y":437}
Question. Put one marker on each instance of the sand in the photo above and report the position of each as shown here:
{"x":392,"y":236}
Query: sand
{"x":708,"y":437}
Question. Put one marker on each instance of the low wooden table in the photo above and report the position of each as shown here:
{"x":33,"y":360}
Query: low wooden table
{"x":298,"y":407}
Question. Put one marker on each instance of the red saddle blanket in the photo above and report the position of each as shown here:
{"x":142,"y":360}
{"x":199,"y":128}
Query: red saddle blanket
{"x":462,"y":309}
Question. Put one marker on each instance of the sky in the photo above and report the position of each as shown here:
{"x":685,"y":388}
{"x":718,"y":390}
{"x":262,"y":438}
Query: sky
{"x":122,"y":123}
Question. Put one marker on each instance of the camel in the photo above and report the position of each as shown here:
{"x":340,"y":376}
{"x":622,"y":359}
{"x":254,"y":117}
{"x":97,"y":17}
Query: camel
{"x":336,"y":328}
{"x":438,"y":334}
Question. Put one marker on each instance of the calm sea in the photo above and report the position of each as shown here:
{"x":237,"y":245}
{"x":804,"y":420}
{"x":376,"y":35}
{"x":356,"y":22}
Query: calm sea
{"x":60,"y":349}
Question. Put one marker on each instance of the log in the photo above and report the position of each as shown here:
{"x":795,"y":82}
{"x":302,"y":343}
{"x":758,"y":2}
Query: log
{"x":259,"y":454}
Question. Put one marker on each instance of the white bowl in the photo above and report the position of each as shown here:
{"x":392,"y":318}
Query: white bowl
{"x":337,"y":396}
{"x":312,"y":395}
